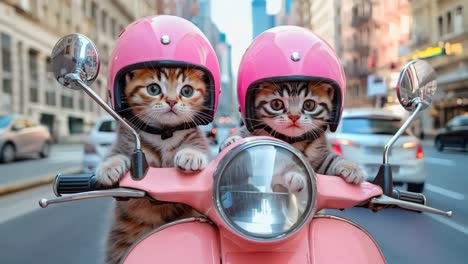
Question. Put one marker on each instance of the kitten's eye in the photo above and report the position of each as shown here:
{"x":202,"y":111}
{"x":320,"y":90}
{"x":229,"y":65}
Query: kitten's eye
{"x":186,"y":91}
{"x":277,"y":104}
{"x":309,"y":105}
{"x":153,"y":89}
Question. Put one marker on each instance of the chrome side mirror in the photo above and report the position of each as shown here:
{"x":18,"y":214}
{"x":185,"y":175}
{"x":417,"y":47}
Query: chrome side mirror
{"x":417,"y":84}
{"x":75,"y":62}
{"x":75,"y":54}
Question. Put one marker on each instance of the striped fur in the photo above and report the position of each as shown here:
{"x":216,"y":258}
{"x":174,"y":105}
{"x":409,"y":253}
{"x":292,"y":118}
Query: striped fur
{"x":186,"y":149}
{"x":293,"y":96}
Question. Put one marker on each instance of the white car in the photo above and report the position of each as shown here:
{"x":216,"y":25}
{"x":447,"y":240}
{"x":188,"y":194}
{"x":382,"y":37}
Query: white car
{"x":99,"y":143}
{"x":361,"y":137}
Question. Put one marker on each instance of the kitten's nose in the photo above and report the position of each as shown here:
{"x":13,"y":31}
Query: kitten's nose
{"x":171,"y":102}
{"x":294,"y":118}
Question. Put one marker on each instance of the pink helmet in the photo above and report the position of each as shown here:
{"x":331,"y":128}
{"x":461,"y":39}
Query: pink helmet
{"x":289,"y":53}
{"x":163,"y":41}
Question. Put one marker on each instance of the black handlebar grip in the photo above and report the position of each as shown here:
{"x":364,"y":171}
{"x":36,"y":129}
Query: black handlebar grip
{"x":418,"y":198}
{"x":74,"y":183}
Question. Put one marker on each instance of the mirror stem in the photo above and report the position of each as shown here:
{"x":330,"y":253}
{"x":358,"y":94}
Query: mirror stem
{"x":401,"y":131}
{"x":75,"y":77}
{"x":139,"y":165}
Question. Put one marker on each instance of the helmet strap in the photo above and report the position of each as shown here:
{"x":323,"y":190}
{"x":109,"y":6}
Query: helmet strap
{"x":311,"y":135}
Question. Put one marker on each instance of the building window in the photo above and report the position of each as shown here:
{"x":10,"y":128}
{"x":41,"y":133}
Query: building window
{"x":33,"y":76}
{"x":49,"y":70}
{"x":21,"y":76}
{"x":81,"y":102}
{"x":104,"y":21}
{"x":67,"y":101}
{"x":449,"y":22}
{"x":6,"y":63}
{"x":6,"y":52}
{"x":441,"y":26}
{"x":50,"y":98}
{"x":113,"y":28}
{"x":93,"y":11}
{"x":458,"y":20}
{"x":75,"y":125}
{"x":7,"y":86}
{"x":58,"y":21}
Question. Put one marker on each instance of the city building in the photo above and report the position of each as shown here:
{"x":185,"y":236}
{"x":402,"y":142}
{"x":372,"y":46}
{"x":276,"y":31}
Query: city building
{"x":439,"y":34}
{"x":199,"y":12}
{"x":374,"y":34}
{"x":260,"y":19}
{"x":29,"y":30}
{"x":226,"y":105}
{"x":325,"y":20}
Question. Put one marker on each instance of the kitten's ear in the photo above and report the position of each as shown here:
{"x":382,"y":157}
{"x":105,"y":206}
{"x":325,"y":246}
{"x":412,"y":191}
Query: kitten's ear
{"x":266,"y":86}
{"x":322,"y":89}
{"x":129,"y":76}
{"x":329,"y":90}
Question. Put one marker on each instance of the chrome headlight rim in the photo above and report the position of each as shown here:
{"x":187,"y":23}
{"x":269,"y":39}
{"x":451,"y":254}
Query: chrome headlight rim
{"x":312,"y":188}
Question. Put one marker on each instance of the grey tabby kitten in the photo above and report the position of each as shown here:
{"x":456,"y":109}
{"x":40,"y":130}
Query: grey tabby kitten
{"x":164,"y":96}
{"x":294,"y":109}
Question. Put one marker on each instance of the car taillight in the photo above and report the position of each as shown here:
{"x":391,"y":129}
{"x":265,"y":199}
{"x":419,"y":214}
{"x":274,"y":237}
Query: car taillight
{"x":89,"y":148}
{"x":213,"y":131}
{"x":337,"y":149}
{"x":419,"y":152}
{"x":337,"y":143}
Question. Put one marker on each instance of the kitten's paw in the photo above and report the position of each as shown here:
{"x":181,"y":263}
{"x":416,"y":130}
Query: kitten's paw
{"x":228,"y":141}
{"x":352,"y":173}
{"x":293,"y":181}
{"x":190,"y":160}
{"x":112,"y":169}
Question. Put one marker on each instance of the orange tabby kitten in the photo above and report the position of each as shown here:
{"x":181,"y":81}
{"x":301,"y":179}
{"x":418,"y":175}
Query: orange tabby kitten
{"x":164,"y":97}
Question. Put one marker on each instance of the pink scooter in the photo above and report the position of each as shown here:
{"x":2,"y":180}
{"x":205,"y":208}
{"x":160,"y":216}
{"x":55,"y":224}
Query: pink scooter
{"x":242,"y":219}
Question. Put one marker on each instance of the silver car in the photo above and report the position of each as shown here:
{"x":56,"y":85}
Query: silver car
{"x":99,"y":143}
{"x":361,"y":137}
{"x":19,"y":136}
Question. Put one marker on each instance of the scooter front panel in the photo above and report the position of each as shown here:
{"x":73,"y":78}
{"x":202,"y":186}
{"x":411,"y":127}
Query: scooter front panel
{"x":337,"y":240}
{"x":183,"y":241}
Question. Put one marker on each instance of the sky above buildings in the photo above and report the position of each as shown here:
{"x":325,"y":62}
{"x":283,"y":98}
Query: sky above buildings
{"x":234,"y":17}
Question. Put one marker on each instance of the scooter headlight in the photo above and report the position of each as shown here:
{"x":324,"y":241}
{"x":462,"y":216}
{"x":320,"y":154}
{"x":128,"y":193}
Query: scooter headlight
{"x":265,"y":189}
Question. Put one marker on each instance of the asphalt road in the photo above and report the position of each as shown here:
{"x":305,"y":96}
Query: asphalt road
{"x":74,"y":232}
{"x":62,"y":157}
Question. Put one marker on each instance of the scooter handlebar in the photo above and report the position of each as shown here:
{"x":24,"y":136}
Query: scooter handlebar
{"x":75,"y":183}
{"x":418,"y":198}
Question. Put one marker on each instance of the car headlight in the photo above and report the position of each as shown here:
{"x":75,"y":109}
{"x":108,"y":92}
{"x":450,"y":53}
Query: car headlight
{"x":265,"y":189}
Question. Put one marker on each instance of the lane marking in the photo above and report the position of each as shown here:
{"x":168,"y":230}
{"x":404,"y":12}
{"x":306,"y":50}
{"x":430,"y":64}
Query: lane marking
{"x":444,"y":192}
{"x":444,"y":220}
{"x":438,"y":161}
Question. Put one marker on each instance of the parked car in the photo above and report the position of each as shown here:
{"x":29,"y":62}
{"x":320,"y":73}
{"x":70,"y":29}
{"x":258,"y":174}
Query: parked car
{"x":20,"y":136}
{"x":361,"y":137}
{"x":454,"y":134}
{"x":98,"y":143}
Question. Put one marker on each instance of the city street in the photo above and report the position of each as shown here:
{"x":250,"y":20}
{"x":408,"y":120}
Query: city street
{"x":74,"y":232}
{"x":62,"y":158}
